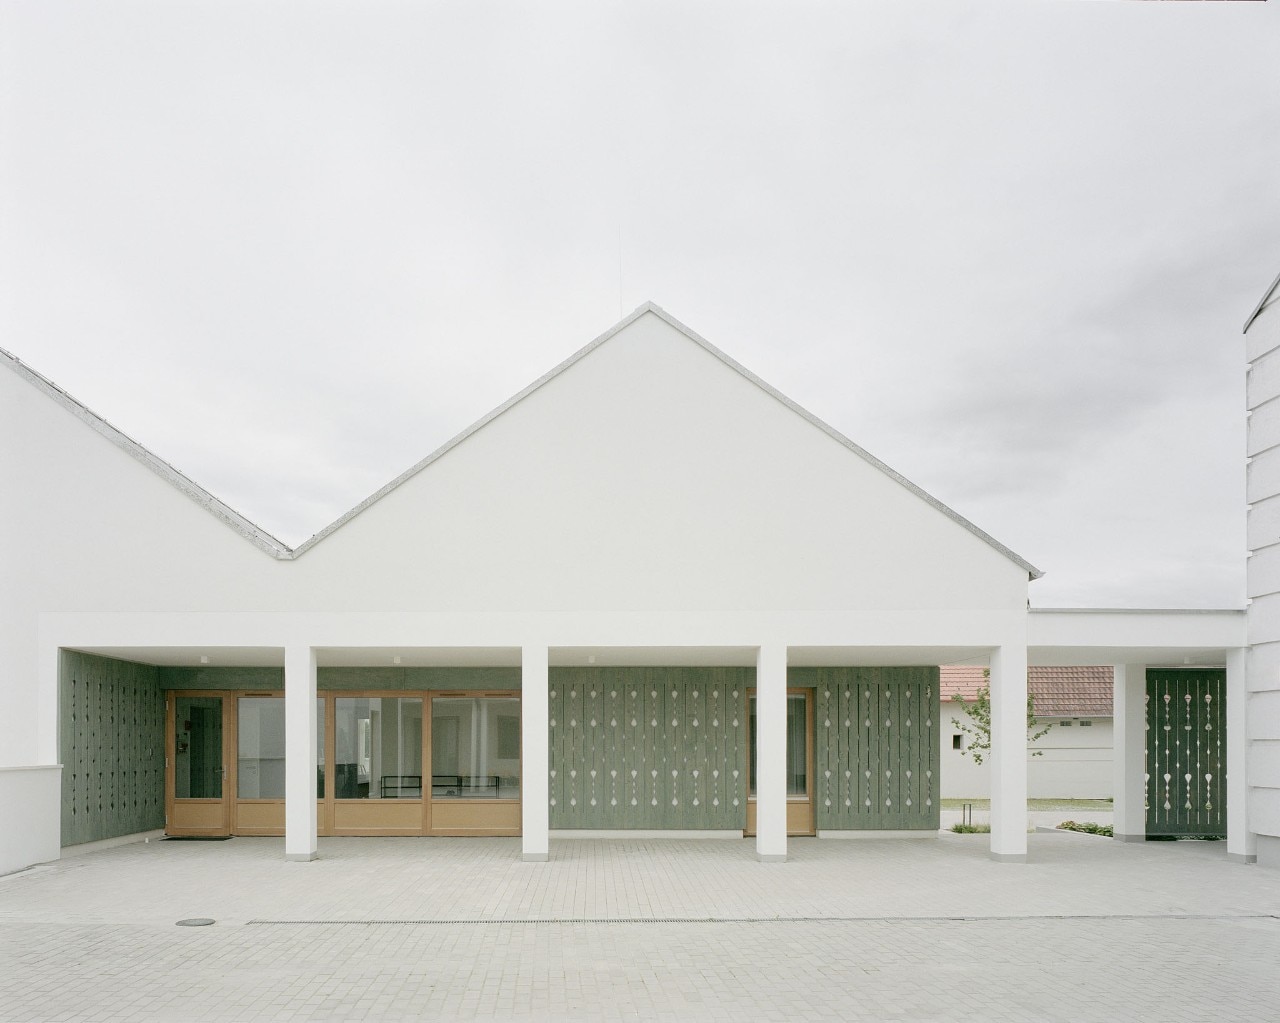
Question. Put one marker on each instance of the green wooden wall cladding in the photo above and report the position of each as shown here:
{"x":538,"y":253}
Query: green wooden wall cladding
{"x":1186,"y":752}
{"x":876,"y":751}
{"x":111,"y":743}
{"x":666,"y":748}
{"x":651,"y":748}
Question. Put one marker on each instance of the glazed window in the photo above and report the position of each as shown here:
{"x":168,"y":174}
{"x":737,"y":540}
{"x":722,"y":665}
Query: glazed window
{"x":475,"y":747}
{"x":377,"y":747}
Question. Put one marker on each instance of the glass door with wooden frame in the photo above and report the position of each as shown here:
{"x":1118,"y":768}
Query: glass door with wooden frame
{"x":259,"y":765}
{"x":800,"y":816}
{"x":197,"y":758}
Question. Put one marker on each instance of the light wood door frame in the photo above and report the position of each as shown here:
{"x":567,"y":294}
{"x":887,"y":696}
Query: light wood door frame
{"x":802,"y":818}
{"x":191,"y":817}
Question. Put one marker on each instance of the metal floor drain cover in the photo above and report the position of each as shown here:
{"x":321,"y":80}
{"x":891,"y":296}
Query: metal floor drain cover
{"x":196,"y":921}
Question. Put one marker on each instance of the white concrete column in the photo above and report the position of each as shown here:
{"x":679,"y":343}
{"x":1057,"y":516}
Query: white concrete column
{"x":535,"y":763}
{"x":300,"y":753}
{"x":1129,"y":753}
{"x":1242,"y":843}
{"x":1009,"y":753}
{"x":771,"y":754}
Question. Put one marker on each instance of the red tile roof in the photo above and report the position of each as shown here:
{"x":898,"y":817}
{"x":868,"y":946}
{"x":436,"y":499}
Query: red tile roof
{"x":1058,"y":692}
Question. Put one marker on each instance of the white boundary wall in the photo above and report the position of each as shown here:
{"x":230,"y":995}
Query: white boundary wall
{"x":31,"y":800}
{"x":1076,"y":761}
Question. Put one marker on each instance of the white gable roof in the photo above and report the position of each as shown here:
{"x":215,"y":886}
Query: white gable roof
{"x":271,"y":545}
{"x":651,"y":308}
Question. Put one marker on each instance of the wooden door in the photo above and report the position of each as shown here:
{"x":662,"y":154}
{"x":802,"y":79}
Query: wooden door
{"x":198,"y":780}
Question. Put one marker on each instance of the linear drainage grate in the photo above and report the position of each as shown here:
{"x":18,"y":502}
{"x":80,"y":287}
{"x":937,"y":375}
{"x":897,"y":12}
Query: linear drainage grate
{"x":524,"y":921}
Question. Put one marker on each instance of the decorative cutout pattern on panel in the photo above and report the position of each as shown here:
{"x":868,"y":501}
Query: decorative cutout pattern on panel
{"x":1185,"y":783}
{"x":111,"y":741}
{"x":876,"y":747}
{"x":648,"y":748}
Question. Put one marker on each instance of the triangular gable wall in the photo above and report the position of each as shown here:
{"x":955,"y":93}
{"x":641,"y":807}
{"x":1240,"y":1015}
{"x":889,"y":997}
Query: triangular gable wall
{"x":650,"y":307}
{"x":257,"y":536}
{"x":94,"y":521}
{"x":652,"y":471}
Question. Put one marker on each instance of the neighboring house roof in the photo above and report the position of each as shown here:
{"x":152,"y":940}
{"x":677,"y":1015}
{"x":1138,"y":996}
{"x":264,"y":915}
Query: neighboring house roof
{"x":1071,"y":692}
{"x":271,"y":545}
{"x":1057,"y":692}
{"x":1258,"y":308}
{"x":961,"y":680}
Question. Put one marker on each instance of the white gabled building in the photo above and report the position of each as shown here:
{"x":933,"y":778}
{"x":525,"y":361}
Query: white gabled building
{"x":648,"y":594}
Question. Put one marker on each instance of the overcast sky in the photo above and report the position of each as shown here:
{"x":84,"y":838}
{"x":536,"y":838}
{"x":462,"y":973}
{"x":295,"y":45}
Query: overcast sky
{"x":1006,"y":247}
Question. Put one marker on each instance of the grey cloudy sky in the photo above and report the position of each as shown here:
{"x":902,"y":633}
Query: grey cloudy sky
{"x":1006,"y":247}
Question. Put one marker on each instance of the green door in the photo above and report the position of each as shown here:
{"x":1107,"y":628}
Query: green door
{"x":1186,"y":771}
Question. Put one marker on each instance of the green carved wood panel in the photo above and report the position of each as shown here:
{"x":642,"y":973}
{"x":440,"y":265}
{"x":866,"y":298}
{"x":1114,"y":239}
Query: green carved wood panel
{"x":1186,"y":752}
{"x":111,"y":743}
{"x":876,"y":747}
{"x":648,"y":748}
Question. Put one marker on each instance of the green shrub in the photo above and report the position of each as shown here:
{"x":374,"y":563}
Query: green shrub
{"x":971,"y":829}
{"x":1088,"y":828}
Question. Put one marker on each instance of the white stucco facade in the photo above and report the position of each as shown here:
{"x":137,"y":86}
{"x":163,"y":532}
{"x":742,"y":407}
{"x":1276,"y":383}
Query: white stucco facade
{"x":1262,"y":350}
{"x":649,"y":502}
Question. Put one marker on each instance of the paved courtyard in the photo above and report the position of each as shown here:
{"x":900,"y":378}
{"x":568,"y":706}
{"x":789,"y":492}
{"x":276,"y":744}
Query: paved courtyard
{"x":445,"y":929}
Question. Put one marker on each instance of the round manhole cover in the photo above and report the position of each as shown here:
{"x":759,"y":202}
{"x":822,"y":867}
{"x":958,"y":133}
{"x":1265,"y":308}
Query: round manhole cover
{"x":196,"y":921}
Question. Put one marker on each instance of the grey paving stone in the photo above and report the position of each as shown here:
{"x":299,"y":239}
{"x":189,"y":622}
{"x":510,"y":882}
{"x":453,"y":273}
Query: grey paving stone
{"x":409,"y":929}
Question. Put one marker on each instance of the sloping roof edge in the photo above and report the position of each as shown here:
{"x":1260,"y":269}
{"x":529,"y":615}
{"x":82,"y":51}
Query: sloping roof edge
{"x":257,"y":536}
{"x":839,"y":437}
{"x":1258,"y":308}
{"x":475,"y":427}
{"x":650,"y":307}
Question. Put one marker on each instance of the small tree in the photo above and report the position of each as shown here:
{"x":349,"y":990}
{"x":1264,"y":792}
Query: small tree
{"x":977,"y":725}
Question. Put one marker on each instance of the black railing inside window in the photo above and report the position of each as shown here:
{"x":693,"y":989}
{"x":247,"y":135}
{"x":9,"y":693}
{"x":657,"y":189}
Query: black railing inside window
{"x":465,"y":786}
